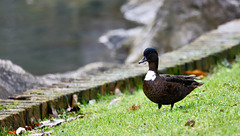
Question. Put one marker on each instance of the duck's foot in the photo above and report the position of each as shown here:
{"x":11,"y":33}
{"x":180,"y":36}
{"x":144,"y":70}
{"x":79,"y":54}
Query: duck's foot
{"x":159,"y":106}
{"x":172,"y":106}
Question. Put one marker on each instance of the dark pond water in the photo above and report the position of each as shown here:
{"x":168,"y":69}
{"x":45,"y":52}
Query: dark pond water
{"x":48,"y":36}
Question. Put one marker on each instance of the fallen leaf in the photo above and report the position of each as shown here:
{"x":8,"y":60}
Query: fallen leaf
{"x":235,"y":104}
{"x":81,"y":116}
{"x":203,"y":90}
{"x":201,"y":76}
{"x":42,"y":133}
{"x":221,"y":110}
{"x":190,"y":123}
{"x":185,"y":111}
{"x":20,"y":130}
{"x":114,"y":101}
{"x":180,"y":107}
{"x":69,"y":108}
{"x":73,"y":118}
{"x":117,"y":91}
{"x":132,"y":90}
{"x":12,"y":132}
{"x":75,"y":101}
{"x":37,"y":124}
{"x":51,"y":123}
{"x":195,"y":72}
{"x":134,"y":107}
{"x":29,"y":127}
{"x":54,"y":111}
{"x":91,"y":102}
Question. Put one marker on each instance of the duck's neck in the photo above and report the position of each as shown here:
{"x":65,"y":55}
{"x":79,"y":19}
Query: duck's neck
{"x":153,"y":66}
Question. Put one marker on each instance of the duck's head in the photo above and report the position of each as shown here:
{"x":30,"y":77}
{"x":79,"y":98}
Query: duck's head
{"x":149,"y":55}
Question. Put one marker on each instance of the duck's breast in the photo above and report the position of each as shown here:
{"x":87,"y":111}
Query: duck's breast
{"x":154,"y":91}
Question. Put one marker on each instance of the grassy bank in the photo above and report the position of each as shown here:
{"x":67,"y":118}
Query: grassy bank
{"x":214,"y":107}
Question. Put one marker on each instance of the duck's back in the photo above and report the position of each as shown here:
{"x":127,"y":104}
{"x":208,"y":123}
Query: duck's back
{"x":168,"y":89}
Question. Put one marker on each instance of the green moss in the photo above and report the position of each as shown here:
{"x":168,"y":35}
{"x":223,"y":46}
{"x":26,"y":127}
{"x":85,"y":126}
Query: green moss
{"x":38,"y":93}
{"x":2,"y":107}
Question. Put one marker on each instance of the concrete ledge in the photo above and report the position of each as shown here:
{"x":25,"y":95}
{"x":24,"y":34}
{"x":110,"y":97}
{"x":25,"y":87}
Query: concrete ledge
{"x":201,"y":54}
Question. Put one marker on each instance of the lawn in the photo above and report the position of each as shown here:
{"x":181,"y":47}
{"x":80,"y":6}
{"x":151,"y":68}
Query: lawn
{"x":214,"y":107}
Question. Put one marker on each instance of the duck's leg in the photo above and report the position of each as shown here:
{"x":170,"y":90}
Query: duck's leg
{"x":172,"y":106}
{"x":159,"y":106}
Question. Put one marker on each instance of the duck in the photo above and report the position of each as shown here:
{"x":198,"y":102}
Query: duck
{"x":165,"y":89}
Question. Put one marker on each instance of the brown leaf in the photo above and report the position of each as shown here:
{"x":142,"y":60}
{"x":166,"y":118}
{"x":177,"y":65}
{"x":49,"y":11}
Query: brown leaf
{"x":195,"y":72}
{"x":75,"y":101}
{"x":235,"y":104}
{"x":12,"y":132}
{"x":190,"y":123}
{"x":134,"y":107}
{"x":30,"y":127}
{"x":37,"y":124}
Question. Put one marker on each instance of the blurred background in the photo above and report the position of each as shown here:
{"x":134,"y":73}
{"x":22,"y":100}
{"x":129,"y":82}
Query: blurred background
{"x":49,"y":36}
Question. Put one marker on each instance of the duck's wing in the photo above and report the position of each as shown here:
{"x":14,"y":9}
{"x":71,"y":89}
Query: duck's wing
{"x":182,"y":79}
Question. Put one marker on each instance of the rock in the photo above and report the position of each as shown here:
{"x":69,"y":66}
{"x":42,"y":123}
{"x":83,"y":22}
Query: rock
{"x":114,"y":39}
{"x":179,"y":22}
{"x":15,"y":80}
{"x":141,"y":11}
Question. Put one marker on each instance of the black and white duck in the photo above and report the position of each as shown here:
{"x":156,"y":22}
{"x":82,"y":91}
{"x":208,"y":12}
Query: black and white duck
{"x":165,"y":89}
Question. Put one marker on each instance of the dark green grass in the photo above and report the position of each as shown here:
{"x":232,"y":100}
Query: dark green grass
{"x":215,"y":108}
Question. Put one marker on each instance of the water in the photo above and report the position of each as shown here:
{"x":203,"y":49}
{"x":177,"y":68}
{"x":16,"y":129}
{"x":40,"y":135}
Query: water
{"x":48,"y":36}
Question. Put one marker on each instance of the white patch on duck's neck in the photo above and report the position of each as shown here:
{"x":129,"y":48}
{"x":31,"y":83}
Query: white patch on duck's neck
{"x":150,"y":76}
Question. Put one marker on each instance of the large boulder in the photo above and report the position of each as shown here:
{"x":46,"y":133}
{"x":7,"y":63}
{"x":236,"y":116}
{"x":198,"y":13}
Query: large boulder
{"x":179,"y":22}
{"x":15,"y":80}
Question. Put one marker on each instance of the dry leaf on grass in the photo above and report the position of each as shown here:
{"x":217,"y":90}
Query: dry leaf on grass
{"x":20,"y":130}
{"x":43,"y":133}
{"x":190,"y":123}
{"x":51,"y":123}
{"x":195,"y":72}
{"x":54,"y":111}
{"x":114,"y":101}
{"x":117,"y":91}
{"x":134,"y":107}
{"x":91,"y":102}
{"x":12,"y":132}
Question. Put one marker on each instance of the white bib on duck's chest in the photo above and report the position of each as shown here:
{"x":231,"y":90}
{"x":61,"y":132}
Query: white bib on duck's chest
{"x":150,"y":76}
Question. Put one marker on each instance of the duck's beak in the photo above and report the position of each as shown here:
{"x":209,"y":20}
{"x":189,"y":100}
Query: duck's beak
{"x":142,"y":60}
